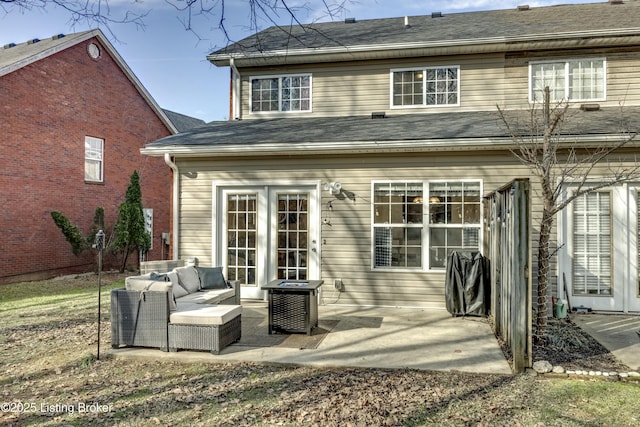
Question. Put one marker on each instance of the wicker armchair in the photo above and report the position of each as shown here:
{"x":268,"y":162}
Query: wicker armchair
{"x":139,"y":319}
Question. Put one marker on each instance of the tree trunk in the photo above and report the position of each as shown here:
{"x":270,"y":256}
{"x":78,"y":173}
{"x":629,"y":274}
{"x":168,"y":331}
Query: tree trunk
{"x":544,"y":259}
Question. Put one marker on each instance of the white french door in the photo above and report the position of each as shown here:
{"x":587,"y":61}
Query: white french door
{"x":601,"y":256}
{"x":267,"y":232}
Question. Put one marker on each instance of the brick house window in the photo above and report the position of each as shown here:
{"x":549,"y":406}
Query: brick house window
{"x":93,"y":159}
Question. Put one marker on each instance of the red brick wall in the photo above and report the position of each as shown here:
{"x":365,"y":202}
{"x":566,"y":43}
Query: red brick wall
{"x":46,"y":110}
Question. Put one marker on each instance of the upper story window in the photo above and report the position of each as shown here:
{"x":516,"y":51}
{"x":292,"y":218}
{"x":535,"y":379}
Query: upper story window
{"x":281,"y":93}
{"x":571,"y":80}
{"x":425,"y":87}
{"x":93,"y":159}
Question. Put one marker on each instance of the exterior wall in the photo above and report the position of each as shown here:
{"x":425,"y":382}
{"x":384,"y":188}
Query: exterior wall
{"x":346,"y":250}
{"x":359,"y":88}
{"x":47,"y":109}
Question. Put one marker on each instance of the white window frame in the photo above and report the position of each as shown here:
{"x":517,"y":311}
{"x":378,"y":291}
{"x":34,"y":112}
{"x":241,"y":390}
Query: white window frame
{"x":424,"y":87}
{"x":280,"y":78}
{"x":425,"y":224}
{"x":566,"y":63}
{"x":93,"y":155}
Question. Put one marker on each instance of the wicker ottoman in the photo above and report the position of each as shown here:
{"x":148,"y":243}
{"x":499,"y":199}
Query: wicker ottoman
{"x":208,"y":328}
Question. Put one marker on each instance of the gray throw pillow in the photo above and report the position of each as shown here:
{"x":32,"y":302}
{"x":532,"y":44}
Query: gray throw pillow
{"x":211,"y":278}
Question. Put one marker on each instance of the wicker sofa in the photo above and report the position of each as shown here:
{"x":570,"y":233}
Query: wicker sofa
{"x":189,"y":307}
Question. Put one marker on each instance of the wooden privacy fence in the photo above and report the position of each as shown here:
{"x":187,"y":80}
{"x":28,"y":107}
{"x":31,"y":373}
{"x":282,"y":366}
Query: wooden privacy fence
{"x":507,"y":244}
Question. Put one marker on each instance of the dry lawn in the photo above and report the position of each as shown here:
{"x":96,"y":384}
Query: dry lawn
{"x":50,"y":376}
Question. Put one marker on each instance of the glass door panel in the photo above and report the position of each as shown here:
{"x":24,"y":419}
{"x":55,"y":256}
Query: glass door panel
{"x":242,"y":242}
{"x":292,"y":235}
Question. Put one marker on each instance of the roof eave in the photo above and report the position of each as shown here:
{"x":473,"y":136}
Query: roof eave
{"x":624,"y":36}
{"x":360,"y":147}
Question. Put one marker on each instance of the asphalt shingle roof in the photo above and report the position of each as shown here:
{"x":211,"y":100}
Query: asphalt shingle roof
{"x":510,"y":24}
{"x":357,"y":130}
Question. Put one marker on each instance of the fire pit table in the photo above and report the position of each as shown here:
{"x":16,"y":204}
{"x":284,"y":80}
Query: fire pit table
{"x":293,"y":305}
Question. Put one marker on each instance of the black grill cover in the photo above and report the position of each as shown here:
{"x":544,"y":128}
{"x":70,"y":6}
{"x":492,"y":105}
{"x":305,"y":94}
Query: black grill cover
{"x":467,"y":284}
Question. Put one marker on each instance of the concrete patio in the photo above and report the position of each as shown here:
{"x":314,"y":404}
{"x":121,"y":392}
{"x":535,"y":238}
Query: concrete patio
{"x":371,"y":337}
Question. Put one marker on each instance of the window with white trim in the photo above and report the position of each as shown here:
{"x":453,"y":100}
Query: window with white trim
{"x":571,"y":80}
{"x":281,"y":93}
{"x":400,"y":233}
{"x":93,"y":159}
{"x":397,"y":224}
{"x":425,"y":87}
{"x":454,"y":219}
{"x":592,"y":244}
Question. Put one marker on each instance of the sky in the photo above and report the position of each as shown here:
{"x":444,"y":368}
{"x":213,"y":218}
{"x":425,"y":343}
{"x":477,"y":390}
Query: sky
{"x":170,"y":60}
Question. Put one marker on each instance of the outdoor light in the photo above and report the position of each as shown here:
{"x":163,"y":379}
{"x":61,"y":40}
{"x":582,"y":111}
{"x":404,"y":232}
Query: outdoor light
{"x":333,"y":187}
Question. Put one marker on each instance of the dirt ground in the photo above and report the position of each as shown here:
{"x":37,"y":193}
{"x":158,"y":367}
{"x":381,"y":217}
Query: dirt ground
{"x":46,"y":354}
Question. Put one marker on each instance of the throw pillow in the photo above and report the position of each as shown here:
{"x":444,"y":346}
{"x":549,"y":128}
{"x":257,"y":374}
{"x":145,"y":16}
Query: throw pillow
{"x":178,"y":290}
{"x":211,"y":278}
{"x":188,"y":278}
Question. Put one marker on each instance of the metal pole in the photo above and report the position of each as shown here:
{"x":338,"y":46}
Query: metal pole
{"x":99,"y":245}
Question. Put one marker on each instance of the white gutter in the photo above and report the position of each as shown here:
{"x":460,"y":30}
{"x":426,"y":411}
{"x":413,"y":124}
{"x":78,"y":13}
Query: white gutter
{"x":176,"y":204}
{"x":355,"y":147}
{"x":236,"y":87}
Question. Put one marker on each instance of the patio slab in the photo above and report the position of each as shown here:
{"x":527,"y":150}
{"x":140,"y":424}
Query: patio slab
{"x":616,"y":332}
{"x":371,"y":337}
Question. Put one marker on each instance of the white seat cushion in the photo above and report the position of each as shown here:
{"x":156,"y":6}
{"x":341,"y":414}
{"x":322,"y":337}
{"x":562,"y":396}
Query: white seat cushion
{"x":207,"y":315}
{"x":213,"y":296}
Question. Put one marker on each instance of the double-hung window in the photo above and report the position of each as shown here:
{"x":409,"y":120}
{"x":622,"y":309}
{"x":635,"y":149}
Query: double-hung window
{"x":425,"y":87}
{"x":406,"y":216}
{"x":572,"y":80}
{"x":281,"y":93}
{"x":397,"y":224}
{"x":454,"y":219}
{"x":93,"y":159}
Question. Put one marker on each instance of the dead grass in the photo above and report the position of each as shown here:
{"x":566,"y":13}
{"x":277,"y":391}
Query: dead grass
{"x":50,"y":376}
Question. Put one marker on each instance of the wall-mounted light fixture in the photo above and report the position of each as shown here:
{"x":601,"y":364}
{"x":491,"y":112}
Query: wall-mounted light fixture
{"x":334,"y":188}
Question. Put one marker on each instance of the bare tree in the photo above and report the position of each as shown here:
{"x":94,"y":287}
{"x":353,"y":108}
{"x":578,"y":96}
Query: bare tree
{"x":556,"y":162}
{"x":192,"y":14}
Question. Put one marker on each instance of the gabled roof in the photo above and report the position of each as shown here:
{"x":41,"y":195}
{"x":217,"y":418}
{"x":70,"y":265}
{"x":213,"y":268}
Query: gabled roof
{"x":484,"y":31}
{"x":16,"y":56}
{"x":412,"y":132}
{"x":183,"y":122}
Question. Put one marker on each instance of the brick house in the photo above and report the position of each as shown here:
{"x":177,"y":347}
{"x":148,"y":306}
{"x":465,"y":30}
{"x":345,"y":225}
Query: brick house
{"x":74,"y":117}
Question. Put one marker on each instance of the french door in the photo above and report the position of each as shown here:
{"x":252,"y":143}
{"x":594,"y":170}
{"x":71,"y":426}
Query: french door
{"x":268,"y":232}
{"x":601,"y":259}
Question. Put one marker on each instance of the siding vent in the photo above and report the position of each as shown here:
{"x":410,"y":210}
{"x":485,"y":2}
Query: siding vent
{"x":436,"y":14}
{"x":590,"y":107}
{"x":9,"y":45}
{"x":378,"y":115}
{"x":57,"y":36}
{"x":523,"y":7}
{"x":32,"y":41}
{"x":350,"y":20}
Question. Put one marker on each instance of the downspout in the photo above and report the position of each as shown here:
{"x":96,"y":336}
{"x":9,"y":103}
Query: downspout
{"x":176,"y":204}
{"x":235,"y":91}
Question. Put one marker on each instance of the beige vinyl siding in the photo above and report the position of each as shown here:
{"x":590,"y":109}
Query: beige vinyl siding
{"x":346,"y":250}
{"x":362,"y":88}
{"x":485,"y":81}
